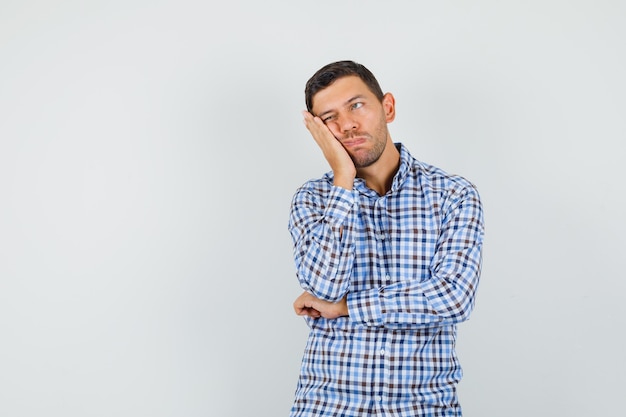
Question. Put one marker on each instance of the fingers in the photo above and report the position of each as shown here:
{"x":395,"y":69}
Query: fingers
{"x":307,"y":311}
{"x":320,"y":132}
{"x":310,"y":312}
{"x":303,"y":306}
{"x":334,"y":152}
{"x":308,"y":305}
{"x":309,"y":119}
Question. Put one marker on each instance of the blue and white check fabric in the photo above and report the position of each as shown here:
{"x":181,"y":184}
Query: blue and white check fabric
{"x":409,"y":262}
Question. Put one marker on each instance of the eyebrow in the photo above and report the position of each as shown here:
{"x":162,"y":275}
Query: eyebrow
{"x":358,"y":96}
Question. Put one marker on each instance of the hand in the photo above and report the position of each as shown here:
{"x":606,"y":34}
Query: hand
{"x":308,"y":305}
{"x":340,"y":162}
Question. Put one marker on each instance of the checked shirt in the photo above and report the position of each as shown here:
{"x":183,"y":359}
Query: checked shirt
{"x":409,"y":262}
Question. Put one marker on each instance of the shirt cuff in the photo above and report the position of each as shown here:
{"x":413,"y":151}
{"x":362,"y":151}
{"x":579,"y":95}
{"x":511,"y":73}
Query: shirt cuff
{"x":364,"y":307}
{"x":340,"y":203}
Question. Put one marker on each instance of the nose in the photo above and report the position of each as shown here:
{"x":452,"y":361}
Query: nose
{"x":347,"y":123}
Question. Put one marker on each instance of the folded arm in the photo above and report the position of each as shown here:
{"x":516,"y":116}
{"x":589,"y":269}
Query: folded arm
{"x":448,"y":295}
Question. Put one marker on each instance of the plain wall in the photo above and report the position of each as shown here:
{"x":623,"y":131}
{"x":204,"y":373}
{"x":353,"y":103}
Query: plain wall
{"x":149,"y":151}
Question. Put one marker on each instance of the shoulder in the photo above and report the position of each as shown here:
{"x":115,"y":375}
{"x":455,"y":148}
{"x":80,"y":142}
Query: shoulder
{"x":430,"y":176}
{"x":320,"y":185}
{"x":440,"y":177}
{"x":314,"y":189}
{"x":442,"y":184}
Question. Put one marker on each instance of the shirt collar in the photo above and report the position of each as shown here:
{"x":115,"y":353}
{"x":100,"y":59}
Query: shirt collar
{"x":406,"y":161}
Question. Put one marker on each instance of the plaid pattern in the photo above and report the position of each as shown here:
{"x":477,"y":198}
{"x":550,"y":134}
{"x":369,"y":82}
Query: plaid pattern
{"x":409,"y":262}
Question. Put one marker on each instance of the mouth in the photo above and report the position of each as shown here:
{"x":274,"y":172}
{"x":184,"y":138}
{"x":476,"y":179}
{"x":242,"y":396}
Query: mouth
{"x":354,"y":141}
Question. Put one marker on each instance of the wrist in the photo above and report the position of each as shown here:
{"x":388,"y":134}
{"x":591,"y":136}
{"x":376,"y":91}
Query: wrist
{"x":344,"y":181}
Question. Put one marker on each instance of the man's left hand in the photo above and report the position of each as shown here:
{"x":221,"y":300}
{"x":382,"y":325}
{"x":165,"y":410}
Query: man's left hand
{"x":308,"y":305}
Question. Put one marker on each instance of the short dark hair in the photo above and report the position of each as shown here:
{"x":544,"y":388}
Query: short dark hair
{"x":330,"y":73}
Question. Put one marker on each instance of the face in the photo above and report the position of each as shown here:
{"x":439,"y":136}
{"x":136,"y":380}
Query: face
{"x":356,"y":118}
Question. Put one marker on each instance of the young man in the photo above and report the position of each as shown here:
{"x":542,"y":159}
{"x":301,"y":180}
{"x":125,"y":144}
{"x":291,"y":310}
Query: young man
{"x":388,"y":252}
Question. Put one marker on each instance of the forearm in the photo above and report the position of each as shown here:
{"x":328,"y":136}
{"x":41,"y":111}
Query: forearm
{"x":323,"y":251}
{"x":446,"y":298}
{"x":446,"y":294}
{"x":324,"y":266}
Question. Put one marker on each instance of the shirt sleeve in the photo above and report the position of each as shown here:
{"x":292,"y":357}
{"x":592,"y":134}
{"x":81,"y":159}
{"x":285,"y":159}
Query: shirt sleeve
{"x":447,"y":296}
{"x":323,"y":252}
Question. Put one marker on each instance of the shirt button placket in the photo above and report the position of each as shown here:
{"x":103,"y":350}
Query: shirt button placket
{"x":382,"y":393}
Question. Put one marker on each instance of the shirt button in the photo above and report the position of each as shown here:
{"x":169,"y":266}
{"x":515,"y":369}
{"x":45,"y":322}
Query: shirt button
{"x":380,"y":398}
{"x":388,"y":278}
{"x":382,"y":352}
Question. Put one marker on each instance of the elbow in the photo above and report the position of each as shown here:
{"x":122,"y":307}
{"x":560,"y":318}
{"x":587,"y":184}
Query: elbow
{"x":460,"y":303}
{"x":463,"y":295}
{"x":330,"y":290}
{"x":461,"y":310}
{"x":461,"y":315}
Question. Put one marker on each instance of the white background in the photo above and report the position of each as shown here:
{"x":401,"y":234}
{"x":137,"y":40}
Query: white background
{"x":149,"y":151}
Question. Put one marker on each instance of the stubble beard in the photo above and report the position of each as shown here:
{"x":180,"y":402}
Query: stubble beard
{"x":379,"y":138}
{"x":363,"y":160}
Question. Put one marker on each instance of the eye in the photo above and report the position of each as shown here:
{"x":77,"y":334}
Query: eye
{"x":356,"y":105}
{"x":328,"y":119}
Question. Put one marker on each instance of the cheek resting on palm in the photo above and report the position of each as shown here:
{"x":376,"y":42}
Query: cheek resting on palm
{"x":337,"y":157}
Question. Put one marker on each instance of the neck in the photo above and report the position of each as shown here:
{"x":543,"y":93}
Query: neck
{"x":379,"y":175}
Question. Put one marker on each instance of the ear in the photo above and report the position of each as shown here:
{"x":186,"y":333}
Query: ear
{"x":389,"y":106}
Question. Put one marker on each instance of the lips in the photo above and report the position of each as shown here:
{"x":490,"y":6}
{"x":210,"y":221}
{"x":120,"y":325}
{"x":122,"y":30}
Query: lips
{"x":354,"y":141}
